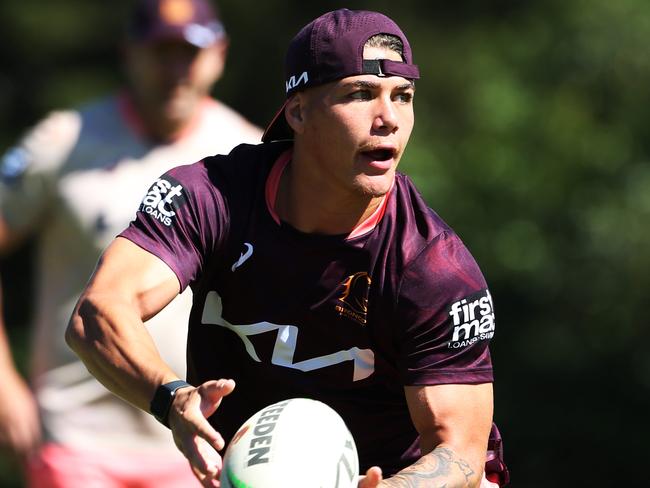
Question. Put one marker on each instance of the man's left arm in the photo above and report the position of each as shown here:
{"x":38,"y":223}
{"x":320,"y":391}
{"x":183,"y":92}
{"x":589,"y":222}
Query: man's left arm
{"x":454,"y":423}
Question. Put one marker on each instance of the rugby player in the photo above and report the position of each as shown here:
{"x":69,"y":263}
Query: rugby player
{"x":317,"y":271}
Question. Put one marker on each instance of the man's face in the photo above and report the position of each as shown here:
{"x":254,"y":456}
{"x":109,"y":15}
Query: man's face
{"x":169,"y":78}
{"x":356,"y":129}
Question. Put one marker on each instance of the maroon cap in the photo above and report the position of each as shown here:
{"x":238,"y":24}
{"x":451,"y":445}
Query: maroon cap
{"x":330,"y":48}
{"x":192,"y":21}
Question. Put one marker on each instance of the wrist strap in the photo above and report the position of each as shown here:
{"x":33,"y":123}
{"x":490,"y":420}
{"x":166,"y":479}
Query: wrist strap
{"x":161,"y":402}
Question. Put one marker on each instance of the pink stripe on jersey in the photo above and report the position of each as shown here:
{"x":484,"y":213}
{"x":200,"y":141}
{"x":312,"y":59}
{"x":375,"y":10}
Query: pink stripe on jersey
{"x":273,"y":182}
{"x":271,"y":193}
{"x":372,"y":221}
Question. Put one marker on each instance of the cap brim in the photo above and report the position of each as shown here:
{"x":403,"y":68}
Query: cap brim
{"x":195,"y":34}
{"x":278,"y":129}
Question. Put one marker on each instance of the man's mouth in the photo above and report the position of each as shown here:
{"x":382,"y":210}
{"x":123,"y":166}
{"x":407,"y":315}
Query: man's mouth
{"x":380,"y":154}
{"x":379,"y":160}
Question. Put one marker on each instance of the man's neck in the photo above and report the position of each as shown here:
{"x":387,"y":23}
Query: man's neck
{"x":160,"y":128}
{"x":312,"y":207}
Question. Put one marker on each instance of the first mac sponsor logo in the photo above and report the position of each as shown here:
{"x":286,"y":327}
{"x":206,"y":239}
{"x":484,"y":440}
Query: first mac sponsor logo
{"x":163,"y":200}
{"x":472,"y":320}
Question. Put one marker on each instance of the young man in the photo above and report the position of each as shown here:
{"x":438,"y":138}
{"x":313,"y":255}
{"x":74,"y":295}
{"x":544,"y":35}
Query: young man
{"x":317,"y":271}
{"x":75,"y":180}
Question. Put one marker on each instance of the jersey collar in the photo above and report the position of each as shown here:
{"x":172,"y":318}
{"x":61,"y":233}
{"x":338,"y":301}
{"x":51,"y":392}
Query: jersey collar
{"x":271,"y":193}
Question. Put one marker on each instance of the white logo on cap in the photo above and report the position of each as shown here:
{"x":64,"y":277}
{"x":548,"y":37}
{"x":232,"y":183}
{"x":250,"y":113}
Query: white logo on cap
{"x":292,"y":82}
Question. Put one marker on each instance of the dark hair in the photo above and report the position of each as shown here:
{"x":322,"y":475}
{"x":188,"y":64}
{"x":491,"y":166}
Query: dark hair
{"x":387,"y":41}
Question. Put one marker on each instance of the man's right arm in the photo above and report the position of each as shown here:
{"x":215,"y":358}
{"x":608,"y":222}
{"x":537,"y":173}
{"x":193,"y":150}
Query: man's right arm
{"x":107,"y":332}
{"x":107,"y":328}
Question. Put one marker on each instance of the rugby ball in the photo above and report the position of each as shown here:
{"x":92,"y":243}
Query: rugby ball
{"x":295,"y":443}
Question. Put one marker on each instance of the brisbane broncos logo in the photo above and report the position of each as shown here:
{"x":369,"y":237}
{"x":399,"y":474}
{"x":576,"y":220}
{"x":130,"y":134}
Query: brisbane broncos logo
{"x":353,"y":302}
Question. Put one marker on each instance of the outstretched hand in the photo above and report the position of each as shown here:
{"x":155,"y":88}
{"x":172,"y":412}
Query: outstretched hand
{"x":193,"y":434}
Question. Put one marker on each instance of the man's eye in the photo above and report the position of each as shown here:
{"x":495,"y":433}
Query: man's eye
{"x":405,"y":97}
{"x":360,"y":95}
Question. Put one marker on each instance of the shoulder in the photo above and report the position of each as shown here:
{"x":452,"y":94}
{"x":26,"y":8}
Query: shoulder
{"x":225,"y":118}
{"x":417,"y":224}
{"x":245,"y":161}
{"x":431,"y":249}
{"x":230,"y":175}
{"x":44,"y":147}
{"x":56,"y":125}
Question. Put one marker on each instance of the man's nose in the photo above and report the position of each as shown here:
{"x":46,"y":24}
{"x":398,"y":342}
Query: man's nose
{"x":386,"y":119}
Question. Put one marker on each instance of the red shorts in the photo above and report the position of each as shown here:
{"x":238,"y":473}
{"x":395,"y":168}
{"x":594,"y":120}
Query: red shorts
{"x":56,"y":466}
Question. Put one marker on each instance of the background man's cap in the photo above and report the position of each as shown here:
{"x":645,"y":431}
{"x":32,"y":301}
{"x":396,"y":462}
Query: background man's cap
{"x":193,"y":21}
{"x":330,"y":48}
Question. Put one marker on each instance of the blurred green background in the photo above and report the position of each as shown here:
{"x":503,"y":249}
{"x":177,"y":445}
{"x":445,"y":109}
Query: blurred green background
{"x":532,"y":140}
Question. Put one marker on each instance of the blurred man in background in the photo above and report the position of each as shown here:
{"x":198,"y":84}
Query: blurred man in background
{"x":74,"y":182}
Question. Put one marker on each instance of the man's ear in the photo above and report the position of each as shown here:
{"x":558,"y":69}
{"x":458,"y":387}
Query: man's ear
{"x":294,"y":111}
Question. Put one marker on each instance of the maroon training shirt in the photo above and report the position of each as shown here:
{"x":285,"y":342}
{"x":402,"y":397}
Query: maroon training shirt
{"x":348,"y":321}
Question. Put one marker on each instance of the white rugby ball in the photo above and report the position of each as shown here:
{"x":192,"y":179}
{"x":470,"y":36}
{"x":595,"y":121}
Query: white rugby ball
{"x":295,"y":443}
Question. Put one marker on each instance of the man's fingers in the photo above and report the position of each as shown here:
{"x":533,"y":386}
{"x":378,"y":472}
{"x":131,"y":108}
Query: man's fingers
{"x":371,"y":479}
{"x":205,"y":431}
{"x":200,"y":447}
{"x":193,"y":434}
{"x":209,"y":461}
{"x":205,"y":480}
{"x":211,"y":394}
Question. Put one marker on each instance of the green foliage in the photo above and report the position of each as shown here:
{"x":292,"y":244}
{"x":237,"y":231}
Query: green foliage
{"x":9,"y":474}
{"x":532,"y":140}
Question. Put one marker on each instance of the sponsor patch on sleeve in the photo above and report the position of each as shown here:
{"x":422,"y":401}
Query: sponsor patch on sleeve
{"x":472,"y":320}
{"x":163,"y":200}
{"x":13,"y":165}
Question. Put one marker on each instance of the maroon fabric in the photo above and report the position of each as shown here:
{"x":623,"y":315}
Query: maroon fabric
{"x":287,"y":314}
{"x":331,"y":47}
{"x":496,"y":470}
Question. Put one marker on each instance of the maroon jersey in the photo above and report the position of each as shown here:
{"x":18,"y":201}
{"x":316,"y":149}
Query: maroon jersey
{"x":345,"y":319}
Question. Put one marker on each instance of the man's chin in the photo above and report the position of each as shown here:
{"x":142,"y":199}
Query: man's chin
{"x":375,"y":186}
{"x":373,"y":191}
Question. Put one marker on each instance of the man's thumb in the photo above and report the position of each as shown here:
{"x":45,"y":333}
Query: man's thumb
{"x":212,"y":392}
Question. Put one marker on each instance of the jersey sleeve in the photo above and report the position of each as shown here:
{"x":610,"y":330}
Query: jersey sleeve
{"x":447,"y":317}
{"x":29,"y":170}
{"x":181,"y":220}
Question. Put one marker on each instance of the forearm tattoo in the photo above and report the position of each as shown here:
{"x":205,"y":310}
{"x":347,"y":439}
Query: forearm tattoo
{"x":441,"y":468}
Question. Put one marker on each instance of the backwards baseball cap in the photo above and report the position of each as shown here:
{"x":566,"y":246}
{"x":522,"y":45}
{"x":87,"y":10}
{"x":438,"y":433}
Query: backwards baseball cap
{"x":330,"y":48}
{"x":192,"y":21}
